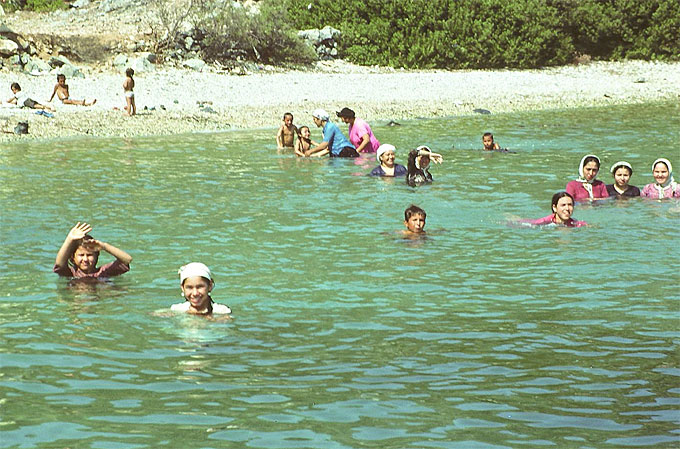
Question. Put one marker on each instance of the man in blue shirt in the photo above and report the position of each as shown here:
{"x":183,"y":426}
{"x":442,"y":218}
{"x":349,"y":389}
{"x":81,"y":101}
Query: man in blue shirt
{"x":334,"y":141}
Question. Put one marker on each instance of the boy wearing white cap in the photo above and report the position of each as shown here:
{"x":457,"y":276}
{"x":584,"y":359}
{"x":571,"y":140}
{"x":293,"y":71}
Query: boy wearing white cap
{"x":196,"y":283}
{"x":334,"y":141}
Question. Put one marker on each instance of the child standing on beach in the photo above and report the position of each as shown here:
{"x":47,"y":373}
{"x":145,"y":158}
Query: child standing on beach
{"x":489,"y":143}
{"x":128,"y":89}
{"x":20,"y":99}
{"x":79,"y":253}
{"x":304,"y":141}
{"x":61,"y":90}
{"x":286,"y":135}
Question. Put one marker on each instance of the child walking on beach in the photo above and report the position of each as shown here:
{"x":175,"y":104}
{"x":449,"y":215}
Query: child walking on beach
{"x":128,"y":89}
{"x":79,"y":253}
{"x":286,"y":135}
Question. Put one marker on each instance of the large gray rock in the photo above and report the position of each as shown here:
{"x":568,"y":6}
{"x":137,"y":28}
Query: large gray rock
{"x":142,"y":65}
{"x":81,"y":3}
{"x":328,"y":33}
{"x":120,"y":61}
{"x":112,"y":5}
{"x":25,"y":58}
{"x":58,"y":61}
{"x":37,"y":66}
{"x":8,"y":48}
{"x":194,"y":64}
{"x":70,"y":71}
{"x":310,"y":35}
{"x":151,"y":57}
{"x":323,"y":41}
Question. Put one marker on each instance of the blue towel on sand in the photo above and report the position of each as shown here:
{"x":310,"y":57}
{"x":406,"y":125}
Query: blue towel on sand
{"x":45,"y":113}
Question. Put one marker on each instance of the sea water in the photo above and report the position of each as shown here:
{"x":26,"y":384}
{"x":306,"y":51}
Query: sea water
{"x":345,"y":335}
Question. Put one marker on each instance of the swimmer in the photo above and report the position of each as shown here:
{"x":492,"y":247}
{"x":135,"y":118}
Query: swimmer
{"x":562,"y":208}
{"x":196,"y":283}
{"x":304,"y":141}
{"x":414,"y":220}
{"x":665,"y":186}
{"x":586,"y":187}
{"x":489,"y":143}
{"x":418,"y":164}
{"x":79,"y":254}
{"x":387,"y":167}
{"x":286,"y":136}
{"x":622,"y":171}
{"x":61,"y":91}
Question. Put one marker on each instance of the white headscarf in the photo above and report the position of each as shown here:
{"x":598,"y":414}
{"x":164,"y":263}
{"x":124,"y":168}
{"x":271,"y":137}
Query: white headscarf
{"x":194,"y":269}
{"x":581,"y":177}
{"x":321,"y":114}
{"x":384,"y":148}
{"x":669,"y":182}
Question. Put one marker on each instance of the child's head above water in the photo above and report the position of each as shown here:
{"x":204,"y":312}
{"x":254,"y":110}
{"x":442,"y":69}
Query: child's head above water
{"x":196,"y":282}
{"x":487,"y":140}
{"x":86,"y":255}
{"x":621,"y":171}
{"x":414,"y":219}
{"x":562,"y":206}
{"x":305,"y":132}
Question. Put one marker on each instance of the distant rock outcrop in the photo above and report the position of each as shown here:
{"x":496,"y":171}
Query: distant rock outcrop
{"x":323,"y":41}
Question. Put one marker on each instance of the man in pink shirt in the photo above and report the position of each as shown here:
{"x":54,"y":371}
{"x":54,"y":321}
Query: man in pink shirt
{"x":360,"y":133}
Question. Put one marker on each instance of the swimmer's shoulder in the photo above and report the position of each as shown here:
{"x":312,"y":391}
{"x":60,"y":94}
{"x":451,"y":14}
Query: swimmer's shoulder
{"x":220,"y":309}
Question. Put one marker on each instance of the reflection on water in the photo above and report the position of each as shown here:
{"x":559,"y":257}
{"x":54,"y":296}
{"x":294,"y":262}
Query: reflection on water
{"x":345,"y":335}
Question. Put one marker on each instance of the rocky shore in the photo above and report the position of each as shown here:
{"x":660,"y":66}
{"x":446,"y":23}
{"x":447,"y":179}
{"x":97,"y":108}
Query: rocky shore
{"x":175,"y":101}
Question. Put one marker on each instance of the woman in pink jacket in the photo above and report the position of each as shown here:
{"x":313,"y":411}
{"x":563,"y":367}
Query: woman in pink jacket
{"x":562,"y":207}
{"x":586,"y":187}
{"x":665,"y":186}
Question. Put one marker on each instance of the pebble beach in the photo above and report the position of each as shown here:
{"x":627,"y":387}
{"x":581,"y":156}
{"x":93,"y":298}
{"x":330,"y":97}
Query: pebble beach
{"x":178,"y":101}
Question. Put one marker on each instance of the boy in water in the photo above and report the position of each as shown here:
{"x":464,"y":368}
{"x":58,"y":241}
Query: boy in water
{"x":414,"y":220}
{"x":20,"y":99}
{"x":61,"y":91}
{"x":488,"y":142}
{"x":286,"y":135}
{"x":128,"y":88}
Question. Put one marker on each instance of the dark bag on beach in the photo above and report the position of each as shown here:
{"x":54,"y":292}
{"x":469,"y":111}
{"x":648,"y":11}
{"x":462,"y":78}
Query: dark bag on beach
{"x":21,"y":128}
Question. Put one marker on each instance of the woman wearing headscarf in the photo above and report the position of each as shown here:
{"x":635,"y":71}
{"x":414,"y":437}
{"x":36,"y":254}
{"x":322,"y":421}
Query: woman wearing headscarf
{"x":418,"y":163}
{"x":586,"y":187}
{"x":387,"y":167}
{"x":622,"y":171}
{"x":360,"y":133}
{"x":665,"y":186}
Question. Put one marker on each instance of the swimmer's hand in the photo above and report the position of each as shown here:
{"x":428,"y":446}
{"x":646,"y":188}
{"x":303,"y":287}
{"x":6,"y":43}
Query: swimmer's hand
{"x":434,"y":157}
{"x":93,"y":245}
{"x":79,"y":231}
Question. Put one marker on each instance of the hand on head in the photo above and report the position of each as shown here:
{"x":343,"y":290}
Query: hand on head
{"x":79,"y":231}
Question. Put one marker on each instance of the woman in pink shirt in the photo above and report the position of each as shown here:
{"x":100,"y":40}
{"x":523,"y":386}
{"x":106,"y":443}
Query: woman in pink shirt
{"x":562,"y":207}
{"x":586,"y":187}
{"x":665,"y":186}
{"x":360,"y":133}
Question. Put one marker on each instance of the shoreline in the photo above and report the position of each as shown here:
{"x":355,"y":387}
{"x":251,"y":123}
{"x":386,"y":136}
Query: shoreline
{"x":181,"y":101}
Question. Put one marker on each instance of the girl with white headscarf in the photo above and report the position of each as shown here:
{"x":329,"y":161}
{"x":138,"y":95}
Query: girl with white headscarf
{"x":621,"y":172}
{"x":665,"y":186}
{"x":196,"y":283}
{"x":586,"y":186}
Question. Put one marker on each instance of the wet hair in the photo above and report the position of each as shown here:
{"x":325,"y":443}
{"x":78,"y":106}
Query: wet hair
{"x":129,"y":72}
{"x":630,"y":170}
{"x":287,"y":114}
{"x":556,"y":197}
{"x":487,"y":135}
{"x":411,"y":164}
{"x":15,"y":86}
{"x":61,"y":76}
{"x":303,"y":127}
{"x":591,"y":159}
{"x":413,"y":210}
{"x":82,"y":242}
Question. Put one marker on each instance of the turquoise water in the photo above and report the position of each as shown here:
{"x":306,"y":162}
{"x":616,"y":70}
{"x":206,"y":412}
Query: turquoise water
{"x":344,"y":335}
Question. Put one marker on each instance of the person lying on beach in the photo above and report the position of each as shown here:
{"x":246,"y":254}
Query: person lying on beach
{"x":196,"y":283}
{"x":128,"y":88}
{"x":489,"y":143}
{"x":334,"y":141}
{"x":418,"y":164}
{"x":562,"y":208}
{"x":387,"y":167}
{"x":79,"y":254}
{"x":665,"y":186}
{"x":61,"y":91}
{"x":304,"y":141}
{"x":22,"y":100}
{"x":622,"y":171}
{"x":586,"y":187}
{"x":414,"y":220}
{"x":286,"y":136}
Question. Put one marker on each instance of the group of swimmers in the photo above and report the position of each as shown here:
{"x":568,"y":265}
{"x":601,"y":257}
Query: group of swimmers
{"x":61,"y":90}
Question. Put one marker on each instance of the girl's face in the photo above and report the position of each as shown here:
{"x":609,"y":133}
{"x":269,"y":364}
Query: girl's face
{"x":424,"y":162}
{"x":85,"y":259}
{"x":563,"y":209}
{"x":387,"y":158}
{"x":621,"y":177}
{"x":660,"y":173}
{"x":590,"y":170}
{"x":196,"y":290}
{"x":305,"y":132}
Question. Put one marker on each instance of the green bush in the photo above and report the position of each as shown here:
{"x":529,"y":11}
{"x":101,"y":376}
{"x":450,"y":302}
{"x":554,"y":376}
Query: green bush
{"x":494,"y":33}
{"x":45,"y":5}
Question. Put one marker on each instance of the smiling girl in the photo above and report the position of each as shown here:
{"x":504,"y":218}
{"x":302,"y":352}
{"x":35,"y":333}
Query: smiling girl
{"x":196,"y":283}
{"x":586,"y":187}
{"x":622,"y":171}
{"x":665,"y":186}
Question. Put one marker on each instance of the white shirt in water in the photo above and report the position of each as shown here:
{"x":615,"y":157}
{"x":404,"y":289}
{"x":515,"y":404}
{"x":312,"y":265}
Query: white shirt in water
{"x":184,"y":307}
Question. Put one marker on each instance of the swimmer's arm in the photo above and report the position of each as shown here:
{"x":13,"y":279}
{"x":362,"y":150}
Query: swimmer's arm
{"x":75,"y":234}
{"x":365,"y":140}
{"x":320,"y":147}
{"x":298,"y":148}
{"x":496,"y":146}
{"x":118,"y":253}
